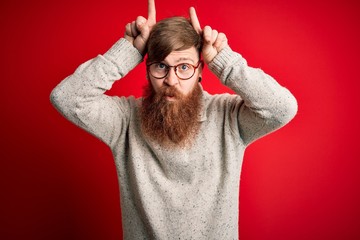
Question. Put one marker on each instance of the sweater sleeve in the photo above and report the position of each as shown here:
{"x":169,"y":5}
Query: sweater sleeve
{"x":80,"y":97}
{"x":265,"y":105}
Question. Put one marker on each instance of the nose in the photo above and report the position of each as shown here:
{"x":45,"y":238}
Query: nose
{"x":171,"y":79}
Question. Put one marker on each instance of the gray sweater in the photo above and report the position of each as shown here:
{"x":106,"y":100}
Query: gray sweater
{"x":190,"y":193}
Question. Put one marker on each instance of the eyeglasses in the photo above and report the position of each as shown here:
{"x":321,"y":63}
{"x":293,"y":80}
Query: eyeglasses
{"x":183,"y":71}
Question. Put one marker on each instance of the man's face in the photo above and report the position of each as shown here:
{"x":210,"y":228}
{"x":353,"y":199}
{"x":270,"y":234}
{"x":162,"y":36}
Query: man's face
{"x":171,"y":106}
{"x":188,"y":56}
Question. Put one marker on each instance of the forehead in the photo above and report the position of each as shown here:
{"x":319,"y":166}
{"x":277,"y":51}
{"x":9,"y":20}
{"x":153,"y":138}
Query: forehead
{"x":186,"y":55}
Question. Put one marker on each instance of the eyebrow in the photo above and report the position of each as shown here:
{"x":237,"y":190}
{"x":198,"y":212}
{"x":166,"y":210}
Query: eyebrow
{"x":184,"y":59}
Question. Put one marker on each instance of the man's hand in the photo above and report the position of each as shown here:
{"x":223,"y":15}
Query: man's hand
{"x":214,"y":41}
{"x":137,"y":32}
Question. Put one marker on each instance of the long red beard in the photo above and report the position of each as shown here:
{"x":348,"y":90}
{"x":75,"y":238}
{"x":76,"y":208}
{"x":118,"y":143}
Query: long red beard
{"x":172,"y":123}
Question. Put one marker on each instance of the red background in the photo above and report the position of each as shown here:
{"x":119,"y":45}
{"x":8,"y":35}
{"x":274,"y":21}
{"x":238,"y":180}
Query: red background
{"x":302,"y":182}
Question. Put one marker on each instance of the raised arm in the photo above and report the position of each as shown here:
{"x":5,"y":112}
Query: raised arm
{"x":264,"y":105}
{"x":80,"y":97}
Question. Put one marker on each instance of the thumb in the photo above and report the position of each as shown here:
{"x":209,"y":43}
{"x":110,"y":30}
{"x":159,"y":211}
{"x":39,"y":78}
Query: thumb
{"x":141,"y":40}
{"x":140,"y":22}
{"x":144,"y":32}
{"x":143,"y":27}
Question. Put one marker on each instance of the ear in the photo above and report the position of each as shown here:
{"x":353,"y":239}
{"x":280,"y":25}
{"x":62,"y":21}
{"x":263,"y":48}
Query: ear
{"x":200,"y":69}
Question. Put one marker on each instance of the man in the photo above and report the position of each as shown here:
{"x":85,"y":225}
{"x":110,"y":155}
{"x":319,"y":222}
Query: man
{"x":178,"y":150}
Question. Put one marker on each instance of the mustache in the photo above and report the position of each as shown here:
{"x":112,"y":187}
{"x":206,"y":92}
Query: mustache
{"x":169,"y":91}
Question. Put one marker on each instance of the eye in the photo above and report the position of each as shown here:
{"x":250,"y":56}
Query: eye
{"x":160,"y":66}
{"x":183,"y":67}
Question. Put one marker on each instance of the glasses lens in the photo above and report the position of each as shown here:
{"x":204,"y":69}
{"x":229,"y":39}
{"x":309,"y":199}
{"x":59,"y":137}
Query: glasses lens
{"x":158,"y":70}
{"x":184,"y":71}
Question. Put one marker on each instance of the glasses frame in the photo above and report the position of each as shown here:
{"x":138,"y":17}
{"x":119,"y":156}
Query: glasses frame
{"x":200,"y":62}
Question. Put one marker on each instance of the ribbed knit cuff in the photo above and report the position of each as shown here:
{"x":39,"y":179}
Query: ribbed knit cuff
{"x":226,"y":58}
{"x":124,"y":55}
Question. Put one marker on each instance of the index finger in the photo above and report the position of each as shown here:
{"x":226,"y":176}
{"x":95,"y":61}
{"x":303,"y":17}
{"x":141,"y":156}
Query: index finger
{"x":151,"y":11}
{"x":194,"y":20}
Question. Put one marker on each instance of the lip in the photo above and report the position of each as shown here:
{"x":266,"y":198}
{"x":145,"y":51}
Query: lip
{"x":170,"y":98}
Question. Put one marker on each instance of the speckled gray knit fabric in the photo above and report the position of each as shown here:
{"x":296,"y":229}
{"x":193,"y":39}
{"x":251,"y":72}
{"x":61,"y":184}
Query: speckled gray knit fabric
{"x":188,"y":193}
